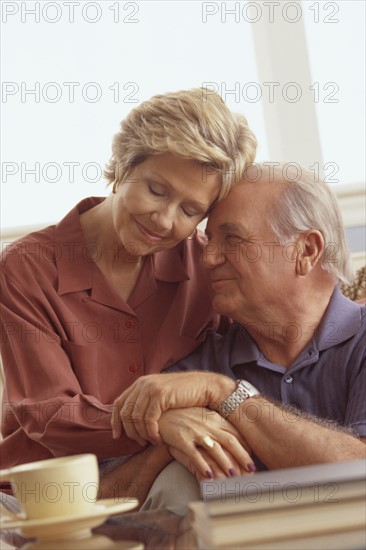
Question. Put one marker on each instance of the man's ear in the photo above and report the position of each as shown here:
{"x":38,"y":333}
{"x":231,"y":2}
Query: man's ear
{"x":311,"y":247}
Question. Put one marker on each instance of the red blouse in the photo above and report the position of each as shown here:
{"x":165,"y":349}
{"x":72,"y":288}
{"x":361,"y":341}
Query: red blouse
{"x":70,"y":345}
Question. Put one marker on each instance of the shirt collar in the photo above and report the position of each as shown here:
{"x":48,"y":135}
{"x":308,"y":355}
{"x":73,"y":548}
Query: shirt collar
{"x":74,"y":267}
{"x":245,"y":349}
{"x":341,"y":320}
{"x":169,"y":266}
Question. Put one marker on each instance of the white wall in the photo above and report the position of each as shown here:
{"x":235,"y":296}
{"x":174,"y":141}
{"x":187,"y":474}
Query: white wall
{"x":128,"y":51}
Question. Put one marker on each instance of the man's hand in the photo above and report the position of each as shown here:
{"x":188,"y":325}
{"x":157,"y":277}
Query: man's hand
{"x":183,"y":430}
{"x":139,"y":408}
{"x":134,"y":477}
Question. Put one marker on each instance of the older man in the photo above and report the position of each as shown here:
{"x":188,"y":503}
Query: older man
{"x":276,"y":251}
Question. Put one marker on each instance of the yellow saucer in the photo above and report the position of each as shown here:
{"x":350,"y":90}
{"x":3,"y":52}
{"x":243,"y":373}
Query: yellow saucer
{"x":94,"y":542}
{"x":63,"y":527}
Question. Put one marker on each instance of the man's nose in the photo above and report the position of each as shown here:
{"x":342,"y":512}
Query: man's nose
{"x":212,"y":254}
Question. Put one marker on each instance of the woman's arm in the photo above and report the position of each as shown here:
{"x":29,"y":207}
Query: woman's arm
{"x":278,"y":436}
{"x":183,"y":431}
{"x":43,"y":400}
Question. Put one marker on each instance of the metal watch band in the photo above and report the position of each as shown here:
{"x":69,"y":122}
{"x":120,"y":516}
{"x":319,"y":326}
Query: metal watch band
{"x":243,"y":390}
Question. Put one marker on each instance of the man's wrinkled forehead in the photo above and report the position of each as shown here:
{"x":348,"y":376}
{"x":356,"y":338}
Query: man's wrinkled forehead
{"x":246,"y":207}
{"x":247,"y":194}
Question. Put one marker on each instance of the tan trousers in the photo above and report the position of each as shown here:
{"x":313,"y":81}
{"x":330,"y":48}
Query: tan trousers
{"x":173,"y":489}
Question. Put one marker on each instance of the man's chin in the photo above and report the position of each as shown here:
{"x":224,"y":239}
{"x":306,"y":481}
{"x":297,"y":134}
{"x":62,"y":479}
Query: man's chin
{"x":221,"y":306}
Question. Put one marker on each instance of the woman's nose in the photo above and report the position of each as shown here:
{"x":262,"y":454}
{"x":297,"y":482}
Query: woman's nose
{"x":164,"y":218}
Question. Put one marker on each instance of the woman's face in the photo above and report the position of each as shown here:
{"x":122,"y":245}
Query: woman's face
{"x":161,"y":203}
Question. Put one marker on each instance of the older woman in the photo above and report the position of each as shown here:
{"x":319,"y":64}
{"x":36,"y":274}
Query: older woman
{"x":115,"y":290}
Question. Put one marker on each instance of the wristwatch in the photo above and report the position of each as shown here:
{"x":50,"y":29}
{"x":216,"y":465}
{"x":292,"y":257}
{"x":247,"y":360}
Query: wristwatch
{"x":243,"y":391}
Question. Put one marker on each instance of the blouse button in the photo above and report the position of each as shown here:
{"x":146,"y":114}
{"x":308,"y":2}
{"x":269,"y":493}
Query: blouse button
{"x":130,"y":323}
{"x":133,"y":368}
{"x":289,"y":379}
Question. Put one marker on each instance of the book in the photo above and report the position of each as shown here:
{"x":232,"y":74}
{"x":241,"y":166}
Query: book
{"x":318,"y":482}
{"x":281,"y":524}
{"x":347,"y":540}
{"x":297,"y":506}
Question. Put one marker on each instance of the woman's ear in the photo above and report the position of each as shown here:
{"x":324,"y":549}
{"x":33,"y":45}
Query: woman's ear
{"x":310,"y":250}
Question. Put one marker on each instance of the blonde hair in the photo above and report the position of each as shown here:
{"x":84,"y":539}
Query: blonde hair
{"x":195,"y":124}
{"x":308,"y":203}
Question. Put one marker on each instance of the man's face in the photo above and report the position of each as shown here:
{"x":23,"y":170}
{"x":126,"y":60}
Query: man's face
{"x":249,"y":269}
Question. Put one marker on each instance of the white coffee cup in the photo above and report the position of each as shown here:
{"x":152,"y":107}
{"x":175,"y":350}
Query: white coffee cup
{"x":66,"y":486}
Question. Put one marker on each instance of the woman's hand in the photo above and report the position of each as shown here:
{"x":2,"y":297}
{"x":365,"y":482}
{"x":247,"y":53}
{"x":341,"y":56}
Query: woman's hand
{"x":139,"y":408}
{"x":215,"y":470}
{"x":184,"y":430}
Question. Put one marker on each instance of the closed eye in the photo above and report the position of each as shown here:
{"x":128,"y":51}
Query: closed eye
{"x":155,"y":192}
{"x":158,"y":191}
{"x":191,"y":214}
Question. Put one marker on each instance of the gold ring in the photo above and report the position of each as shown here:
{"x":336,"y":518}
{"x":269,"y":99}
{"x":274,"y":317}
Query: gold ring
{"x":206,"y":442}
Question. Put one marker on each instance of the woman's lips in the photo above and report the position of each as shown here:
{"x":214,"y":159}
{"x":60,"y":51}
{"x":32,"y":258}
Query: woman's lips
{"x":149,"y":234}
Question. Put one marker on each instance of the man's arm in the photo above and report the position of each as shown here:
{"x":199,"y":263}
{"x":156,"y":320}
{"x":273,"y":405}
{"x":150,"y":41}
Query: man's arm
{"x":279,"y":437}
{"x":282,"y":438}
{"x":134,"y":478}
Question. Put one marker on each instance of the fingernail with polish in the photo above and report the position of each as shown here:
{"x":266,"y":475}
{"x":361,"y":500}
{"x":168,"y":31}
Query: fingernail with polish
{"x":209,"y":474}
{"x":251,"y":467}
{"x":232,"y":472}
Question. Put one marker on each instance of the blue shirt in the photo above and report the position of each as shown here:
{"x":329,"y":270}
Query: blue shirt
{"x":328,"y":378}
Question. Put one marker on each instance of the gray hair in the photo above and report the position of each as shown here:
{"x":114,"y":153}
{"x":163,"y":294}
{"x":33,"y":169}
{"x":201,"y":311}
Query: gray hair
{"x":308,"y":203}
